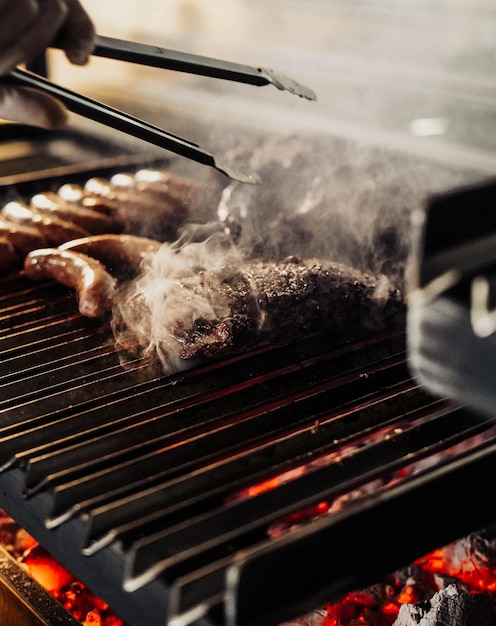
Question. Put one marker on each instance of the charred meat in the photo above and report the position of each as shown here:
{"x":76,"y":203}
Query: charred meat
{"x":198,"y":313}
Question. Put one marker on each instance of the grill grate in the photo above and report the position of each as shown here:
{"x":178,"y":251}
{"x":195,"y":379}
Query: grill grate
{"x":140,"y":483}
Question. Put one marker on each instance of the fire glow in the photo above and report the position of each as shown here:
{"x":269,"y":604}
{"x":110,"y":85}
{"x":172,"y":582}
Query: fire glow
{"x":465,"y":569}
{"x":75,"y":597}
{"x":458,"y":579}
{"x":456,"y":564}
{"x":451,"y":586}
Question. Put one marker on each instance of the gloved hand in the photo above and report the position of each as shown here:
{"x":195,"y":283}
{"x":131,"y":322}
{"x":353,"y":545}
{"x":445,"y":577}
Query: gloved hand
{"x":27,"y":27}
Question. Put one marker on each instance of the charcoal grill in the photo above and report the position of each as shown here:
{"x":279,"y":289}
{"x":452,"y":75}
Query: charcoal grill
{"x":128,"y":476}
{"x":162,"y":493}
{"x":144,"y":485}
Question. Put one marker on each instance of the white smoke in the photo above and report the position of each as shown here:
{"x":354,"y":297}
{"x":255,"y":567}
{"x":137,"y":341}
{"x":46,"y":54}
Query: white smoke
{"x":180,"y":287}
{"x":342,"y":204}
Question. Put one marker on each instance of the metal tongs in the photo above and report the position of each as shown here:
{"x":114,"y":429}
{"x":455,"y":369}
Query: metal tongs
{"x":164,"y":58}
{"x":154,"y":56}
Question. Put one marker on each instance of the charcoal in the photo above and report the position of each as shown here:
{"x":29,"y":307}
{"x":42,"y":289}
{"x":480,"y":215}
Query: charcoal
{"x":449,"y":607}
{"x":478,"y":548}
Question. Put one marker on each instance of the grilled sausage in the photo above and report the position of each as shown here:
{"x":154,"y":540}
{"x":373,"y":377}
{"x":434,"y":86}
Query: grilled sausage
{"x":9,"y":258}
{"x":153,"y":192}
{"x":52,"y":205}
{"x":102,"y":188}
{"x":54,"y":230}
{"x":171,"y":198}
{"x":159,"y":181}
{"x":122,"y":255}
{"x":78,"y":196}
{"x":23,"y":238}
{"x":93,"y":284}
{"x":126,"y":196}
{"x":143,"y":213}
{"x":192,"y":197}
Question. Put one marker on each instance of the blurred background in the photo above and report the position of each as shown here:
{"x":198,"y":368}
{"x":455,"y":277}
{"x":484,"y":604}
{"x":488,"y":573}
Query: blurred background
{"x":416,"y":74}
{"x":406,"y":107}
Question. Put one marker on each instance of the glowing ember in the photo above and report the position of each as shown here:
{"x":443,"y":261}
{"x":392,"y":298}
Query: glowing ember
{"x":47,"y":572}
{"x":72,"y":594}
{"x":459,"y":572}
{"x":62,"y":585}
{"x":471,"y":560}
{"x":453,"y":574}
{"x":297,"y":519}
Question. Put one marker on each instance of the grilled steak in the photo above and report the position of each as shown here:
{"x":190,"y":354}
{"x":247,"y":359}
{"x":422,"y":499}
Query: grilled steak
{"x":226,"y":310}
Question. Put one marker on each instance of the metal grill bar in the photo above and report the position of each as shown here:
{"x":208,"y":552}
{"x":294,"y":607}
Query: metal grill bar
{"x":202,"y":586}
{"x":227,"y":528}
{"x":124,"y":465}
{"x":344,"y":552}
{"x":221,"y":431}
{"x":216,"y":481}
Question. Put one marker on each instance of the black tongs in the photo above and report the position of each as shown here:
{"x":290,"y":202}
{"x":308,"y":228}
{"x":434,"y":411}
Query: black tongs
{"x":164,"y":58}
{"x":167,"y":59}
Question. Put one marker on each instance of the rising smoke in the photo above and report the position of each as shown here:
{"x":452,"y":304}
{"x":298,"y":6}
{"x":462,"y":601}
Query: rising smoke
{"x":336,"y":203}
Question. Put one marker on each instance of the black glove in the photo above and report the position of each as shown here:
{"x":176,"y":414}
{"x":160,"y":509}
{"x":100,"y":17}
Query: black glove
{"x":27,"y":28}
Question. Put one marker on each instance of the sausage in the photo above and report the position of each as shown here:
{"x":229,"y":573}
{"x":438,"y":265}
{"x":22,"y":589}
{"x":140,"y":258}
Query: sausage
{"x":124,"y":181}
{"x":55,"y":231}
{"x":78,"y":196}
{"x":129,"y":183}
{"x":121,"y":194}
{"x":172,"y":203}
{"x":190,"y":196}
{"x":146,"y":214}
{"x":130,"y":206}
{"x":23,"y":238}
{"x":70,"y":192}
{"x":94,"y":286}
{"x":52,"y":205}
{"x":176,"y":186}
{"x":102,"y":188}
{"x":122,"y":255}
{"x":9,"y":258}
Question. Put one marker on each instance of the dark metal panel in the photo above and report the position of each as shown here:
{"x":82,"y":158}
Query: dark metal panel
{"x":102,"y":572}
